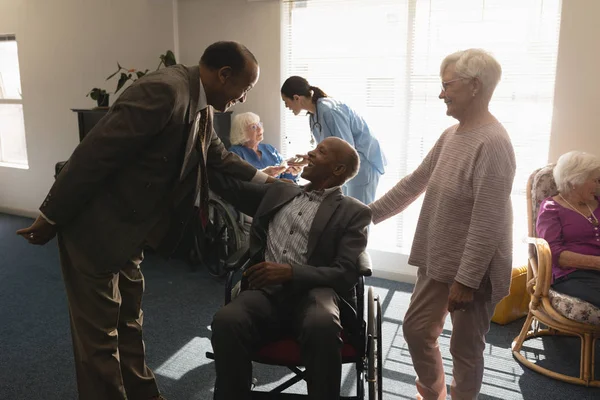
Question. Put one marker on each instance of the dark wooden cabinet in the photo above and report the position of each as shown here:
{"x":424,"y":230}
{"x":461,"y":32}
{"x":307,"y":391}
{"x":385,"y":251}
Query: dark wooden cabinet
{"x":88,"y":118}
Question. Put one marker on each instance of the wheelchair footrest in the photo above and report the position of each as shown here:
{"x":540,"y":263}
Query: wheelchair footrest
{"x":271,"y":396}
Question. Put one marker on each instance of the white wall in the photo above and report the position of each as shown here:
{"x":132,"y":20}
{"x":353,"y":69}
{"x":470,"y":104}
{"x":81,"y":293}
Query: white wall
{"x":66,"y":47}
{"x":576,"y":119}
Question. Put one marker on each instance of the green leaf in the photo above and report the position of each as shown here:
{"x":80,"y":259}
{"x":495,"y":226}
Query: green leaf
{"x":122,"y":81}
{"x":113,"y":74}
{"x":140,"y":73}
{"x":169,"y":58}
{"x":95,"y":93}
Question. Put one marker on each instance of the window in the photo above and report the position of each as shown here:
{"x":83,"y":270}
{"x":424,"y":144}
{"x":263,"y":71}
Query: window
{"x":382,"y":57}
{"x":13,"y":149}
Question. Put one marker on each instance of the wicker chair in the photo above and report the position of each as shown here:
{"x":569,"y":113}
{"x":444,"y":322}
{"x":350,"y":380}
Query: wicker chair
{"x":557,"y":313}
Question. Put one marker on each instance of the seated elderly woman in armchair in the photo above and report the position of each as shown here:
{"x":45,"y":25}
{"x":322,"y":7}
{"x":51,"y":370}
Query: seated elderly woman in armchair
{"x":246,"y":139}
{"x":569,"y":223}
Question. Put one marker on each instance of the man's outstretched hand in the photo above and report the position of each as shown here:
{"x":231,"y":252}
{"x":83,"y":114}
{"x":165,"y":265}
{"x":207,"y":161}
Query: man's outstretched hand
{"x":274,"y":170}
{"x":40,"y":232}
{"x":267,"y":274}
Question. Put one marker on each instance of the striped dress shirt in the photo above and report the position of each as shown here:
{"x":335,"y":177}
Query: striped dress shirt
{"x":464,"y":232}
{"x":287,"y":238}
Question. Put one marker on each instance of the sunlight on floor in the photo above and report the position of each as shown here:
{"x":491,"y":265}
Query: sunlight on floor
{"x":503,"y":377}
{"x":188,"y":358}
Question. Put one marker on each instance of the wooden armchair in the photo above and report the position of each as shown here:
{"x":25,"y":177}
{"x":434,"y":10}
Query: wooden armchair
{"x":557,"y":313}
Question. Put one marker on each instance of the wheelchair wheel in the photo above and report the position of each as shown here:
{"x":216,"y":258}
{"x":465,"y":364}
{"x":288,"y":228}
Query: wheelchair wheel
{"x":220,"y":238}
{"x":374,"y":347}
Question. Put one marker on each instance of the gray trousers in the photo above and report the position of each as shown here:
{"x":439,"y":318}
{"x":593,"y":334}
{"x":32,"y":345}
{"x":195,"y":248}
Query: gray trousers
{"x":106,"y":326}
{"x":255,"y":317}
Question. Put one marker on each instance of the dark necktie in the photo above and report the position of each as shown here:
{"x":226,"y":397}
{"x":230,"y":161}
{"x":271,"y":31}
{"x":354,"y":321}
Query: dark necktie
{"x":204,"y":129}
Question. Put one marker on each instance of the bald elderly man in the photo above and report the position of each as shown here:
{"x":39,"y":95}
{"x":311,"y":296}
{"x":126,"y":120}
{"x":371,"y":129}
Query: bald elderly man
{"x":304,"y":247}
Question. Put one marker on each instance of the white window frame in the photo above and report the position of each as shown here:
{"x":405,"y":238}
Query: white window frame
{"x":3,"y":163}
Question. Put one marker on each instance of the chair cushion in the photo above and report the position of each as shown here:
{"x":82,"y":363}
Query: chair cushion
{"x":574,"y":308}
{"x":286,"y":352}
{"x":542,"y":187}
{"x":516,"y":304}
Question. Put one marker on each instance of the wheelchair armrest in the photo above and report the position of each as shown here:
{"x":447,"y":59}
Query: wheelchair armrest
{"x":237,"y":259}
{"x":233,"y":264}
{"x":365,"y":267}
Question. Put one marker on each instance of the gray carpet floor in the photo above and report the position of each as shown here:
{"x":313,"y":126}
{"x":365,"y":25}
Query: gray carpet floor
{"x":36,"y":356}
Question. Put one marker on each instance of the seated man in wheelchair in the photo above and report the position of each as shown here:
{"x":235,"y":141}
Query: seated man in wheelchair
{"x":304,"y":247}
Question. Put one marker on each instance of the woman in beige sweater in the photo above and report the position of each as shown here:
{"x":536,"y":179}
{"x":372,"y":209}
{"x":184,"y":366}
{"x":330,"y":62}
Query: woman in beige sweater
{"x":463,"y":244}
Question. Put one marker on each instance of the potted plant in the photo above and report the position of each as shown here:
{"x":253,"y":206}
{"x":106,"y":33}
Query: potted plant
{"x":166,"y":60}
{"x":100,"y":95}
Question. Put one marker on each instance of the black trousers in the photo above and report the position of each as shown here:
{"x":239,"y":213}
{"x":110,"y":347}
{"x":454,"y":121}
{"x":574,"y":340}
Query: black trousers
{"x":255,"y":317}
{"x":583,"y":284}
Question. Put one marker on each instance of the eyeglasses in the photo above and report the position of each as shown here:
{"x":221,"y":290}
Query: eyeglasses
{"x":256,"y":126}
{"x":445,"y":84}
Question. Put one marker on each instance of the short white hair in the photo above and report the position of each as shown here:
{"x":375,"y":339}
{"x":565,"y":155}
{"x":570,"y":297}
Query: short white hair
{"x":475,"y":63}
{"x":239,"y":126}
{"x":573,"y":169}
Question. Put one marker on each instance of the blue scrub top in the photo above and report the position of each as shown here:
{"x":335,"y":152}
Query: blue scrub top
{"x":337,"y":119}
{"x":270,"y":157}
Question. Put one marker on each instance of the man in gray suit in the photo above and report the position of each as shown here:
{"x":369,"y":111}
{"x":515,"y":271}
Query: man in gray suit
{"x":304,"y":247}
{"x":132,"y":182}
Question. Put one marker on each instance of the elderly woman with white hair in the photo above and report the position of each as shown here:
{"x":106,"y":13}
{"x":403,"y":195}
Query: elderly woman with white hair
{"x":569,"y":223}
{"x":246,"y":138}
{"x":462,"y":246}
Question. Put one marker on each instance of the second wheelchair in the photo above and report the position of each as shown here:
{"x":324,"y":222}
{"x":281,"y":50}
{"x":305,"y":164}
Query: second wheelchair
{"x":225,"y":232}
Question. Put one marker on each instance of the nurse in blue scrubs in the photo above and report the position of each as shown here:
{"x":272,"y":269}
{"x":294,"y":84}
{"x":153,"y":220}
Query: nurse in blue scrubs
{"x":329,"y":117}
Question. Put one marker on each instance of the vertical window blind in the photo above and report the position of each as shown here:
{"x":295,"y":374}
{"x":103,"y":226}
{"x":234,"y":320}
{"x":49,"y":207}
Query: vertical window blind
{"x":382,"y":58}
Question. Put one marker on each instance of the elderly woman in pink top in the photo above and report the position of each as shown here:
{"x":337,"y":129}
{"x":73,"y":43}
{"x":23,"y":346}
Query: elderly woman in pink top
{"x":463,"y":244}
{"x":569,"y":223}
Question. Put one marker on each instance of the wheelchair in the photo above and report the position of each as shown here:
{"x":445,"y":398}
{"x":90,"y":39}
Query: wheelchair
{"x":224,"y":234}
{"x":361,"y":339}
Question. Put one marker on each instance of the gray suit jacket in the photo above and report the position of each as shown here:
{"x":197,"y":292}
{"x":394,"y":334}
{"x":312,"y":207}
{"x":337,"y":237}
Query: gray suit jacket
{"x":122,"y":181}
{"x":337,"y":236}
